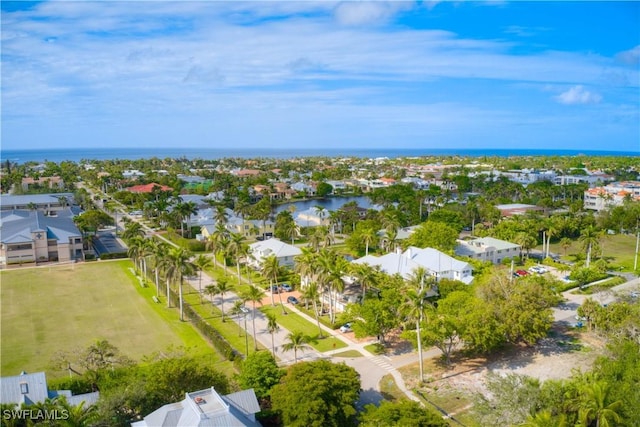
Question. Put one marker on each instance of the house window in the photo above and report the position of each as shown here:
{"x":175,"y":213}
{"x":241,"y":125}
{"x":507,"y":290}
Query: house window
{"x":24,"y":388}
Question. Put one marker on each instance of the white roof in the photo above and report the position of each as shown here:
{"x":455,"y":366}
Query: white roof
{"x":276,"y":247}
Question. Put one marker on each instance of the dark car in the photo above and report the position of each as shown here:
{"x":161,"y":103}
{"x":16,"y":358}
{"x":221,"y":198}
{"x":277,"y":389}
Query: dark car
{"x":275,"y":289}
{"x":293,"y":300}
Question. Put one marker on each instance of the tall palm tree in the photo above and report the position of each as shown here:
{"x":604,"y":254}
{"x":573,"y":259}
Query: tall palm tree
{"x":332,"y":267}
{"x":272,"y":327}
{"x":223,"y":286}
{"x":135,"y":250}
{"x":270,"y":268}
{"x":179,"y":265}
{"x":220,"y":215}
{"x":311,"y":293}
{"x":297,"y":340}
{"x":158,"y":250}
{"x":369,"y":237}
{"x":201,"y":262}
{"x":237,"y":310}
{"x":237,"y":248}
{"x":216,"y":240}
{"x":254,"y":294}
{"x":212,"y":291}
{"x":415,"y":306}
{"x":590,"y":239}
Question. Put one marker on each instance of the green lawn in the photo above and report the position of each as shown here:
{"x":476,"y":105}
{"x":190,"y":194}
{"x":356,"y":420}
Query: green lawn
{"x":295,"y":322}
{"x":63,"y":308}
{"x":618,"y":249}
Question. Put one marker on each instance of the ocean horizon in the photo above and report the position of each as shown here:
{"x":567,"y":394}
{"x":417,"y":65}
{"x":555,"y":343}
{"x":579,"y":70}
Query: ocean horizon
{"x":121,"y":153}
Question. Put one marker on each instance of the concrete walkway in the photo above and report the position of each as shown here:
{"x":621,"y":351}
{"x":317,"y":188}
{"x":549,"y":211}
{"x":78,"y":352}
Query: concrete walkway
{"x":370,"y":367}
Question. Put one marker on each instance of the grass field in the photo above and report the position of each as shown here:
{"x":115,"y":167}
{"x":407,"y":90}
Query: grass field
{"x":64,"y":308}
{"x":618,"y":249}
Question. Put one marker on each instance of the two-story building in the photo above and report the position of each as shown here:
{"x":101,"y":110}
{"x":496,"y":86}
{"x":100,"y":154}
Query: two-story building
{"x":33,"y":236}
{"x":488,"y":249}
{"x":284,"y":252}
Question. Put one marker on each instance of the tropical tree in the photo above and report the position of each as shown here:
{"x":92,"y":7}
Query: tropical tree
{"x":255,"y":295}
{"x":178,"y":265}
{"x":272,"y":328}
{"x":369,"y":237}
{"x":223,"y":286}
{"x":311,"y":293}
{"x":415,"y":306}
{"x":590,"y":239}
{"x":217,"y":239}
{"x":366,"y":275}
{"x":594,"y":404}
{"x":270,"y":268}
{"x":132,"y":229}
{"x":201,"y":263}
{"x":296,"y":340}
{"x":237,"y":249}
{"x":212,"y":291}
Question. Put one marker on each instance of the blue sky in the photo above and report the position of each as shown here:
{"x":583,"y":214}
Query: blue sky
{"x":350,"y":74}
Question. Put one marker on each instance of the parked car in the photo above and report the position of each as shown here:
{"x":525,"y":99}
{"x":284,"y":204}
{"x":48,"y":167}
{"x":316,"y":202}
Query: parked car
{"x":345,"y":328}
{"x":275,"y":289}
{"x":293,"y":300}
{"x":522,"y":273}
{"x":286,"y":287}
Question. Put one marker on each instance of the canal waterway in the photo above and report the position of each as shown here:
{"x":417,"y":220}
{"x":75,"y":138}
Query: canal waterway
{"x":329,"y":203}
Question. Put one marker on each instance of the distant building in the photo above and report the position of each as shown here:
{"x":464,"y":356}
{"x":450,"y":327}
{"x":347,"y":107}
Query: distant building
{"x":132,"y":174}
{"x":284,"y":252}
{"x":488,"y":249}
{"x":312,"y":217}
{"x":511,"y":209}
{"x":30,"y":389}
{"x":207,"y":408}
{"x":44,"y":181}
{"x":41,"y":202}
{"x":148,"y":188}
{"x":614,"y":194}
{"x":31,"y":236}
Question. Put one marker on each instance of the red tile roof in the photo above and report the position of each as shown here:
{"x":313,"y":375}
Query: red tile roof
{"x":148,"y":188}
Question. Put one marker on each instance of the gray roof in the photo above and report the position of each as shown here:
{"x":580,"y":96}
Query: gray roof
{"x":36,"y":388}
{"x":35,"y":385}
{"x":38,"y":199}
{"x":207,"y":408}
{"x":16,"y":226}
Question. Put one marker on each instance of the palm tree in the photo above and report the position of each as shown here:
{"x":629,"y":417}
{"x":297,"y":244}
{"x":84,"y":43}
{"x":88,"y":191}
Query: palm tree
{"x":212,"y":291}
{"x":216,"y":240}
{"x":254,"y":294}
{"x":415,"y":305}
{"x":270,"y":269}
{"x":132,"y":229}
{"x":178,"y":265}
{"x":545,"y":419}
{"x":223,"y":287}
{"x":364,"y":274}
{"x":237,"y":310}
{"x":237,"y":249}
{"x":201,"y":262}
{"x":272,"y":327}
{"x":332,"y":267}
{"x":369,"y":236}
{"x":135,"y":250}
{"x":525,"y":240}
{"x":312,"y":293}
{"x":297,"y":341}
{"x":590,"y":239}
{"x":565,"y":243}
{"x":594,"y":405}
{"x":157,"y":252}
{"x":220,"y":215}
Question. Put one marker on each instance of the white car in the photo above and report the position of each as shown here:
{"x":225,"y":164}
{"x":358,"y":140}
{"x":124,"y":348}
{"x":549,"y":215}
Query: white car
{"x":345,"y":328}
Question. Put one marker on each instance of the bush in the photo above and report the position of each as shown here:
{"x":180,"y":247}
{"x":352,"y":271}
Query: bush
{"x":114,"y":255}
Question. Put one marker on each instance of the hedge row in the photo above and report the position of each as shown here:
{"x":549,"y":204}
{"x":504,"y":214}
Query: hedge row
{"x":212,"y":334}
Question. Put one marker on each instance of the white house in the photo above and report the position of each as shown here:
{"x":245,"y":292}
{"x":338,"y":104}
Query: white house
{"x":30,"y":389}
{"x":206,"y":408}
{"x":284,"y":252}
{"x":312,"y":217}
{"x":437,"y":264}
{"x":488,"y":249}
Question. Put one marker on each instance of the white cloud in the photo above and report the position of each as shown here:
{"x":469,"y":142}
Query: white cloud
{"x":578,"y":95}
{"x":367,"y":12}
{"x":630,"y":57}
